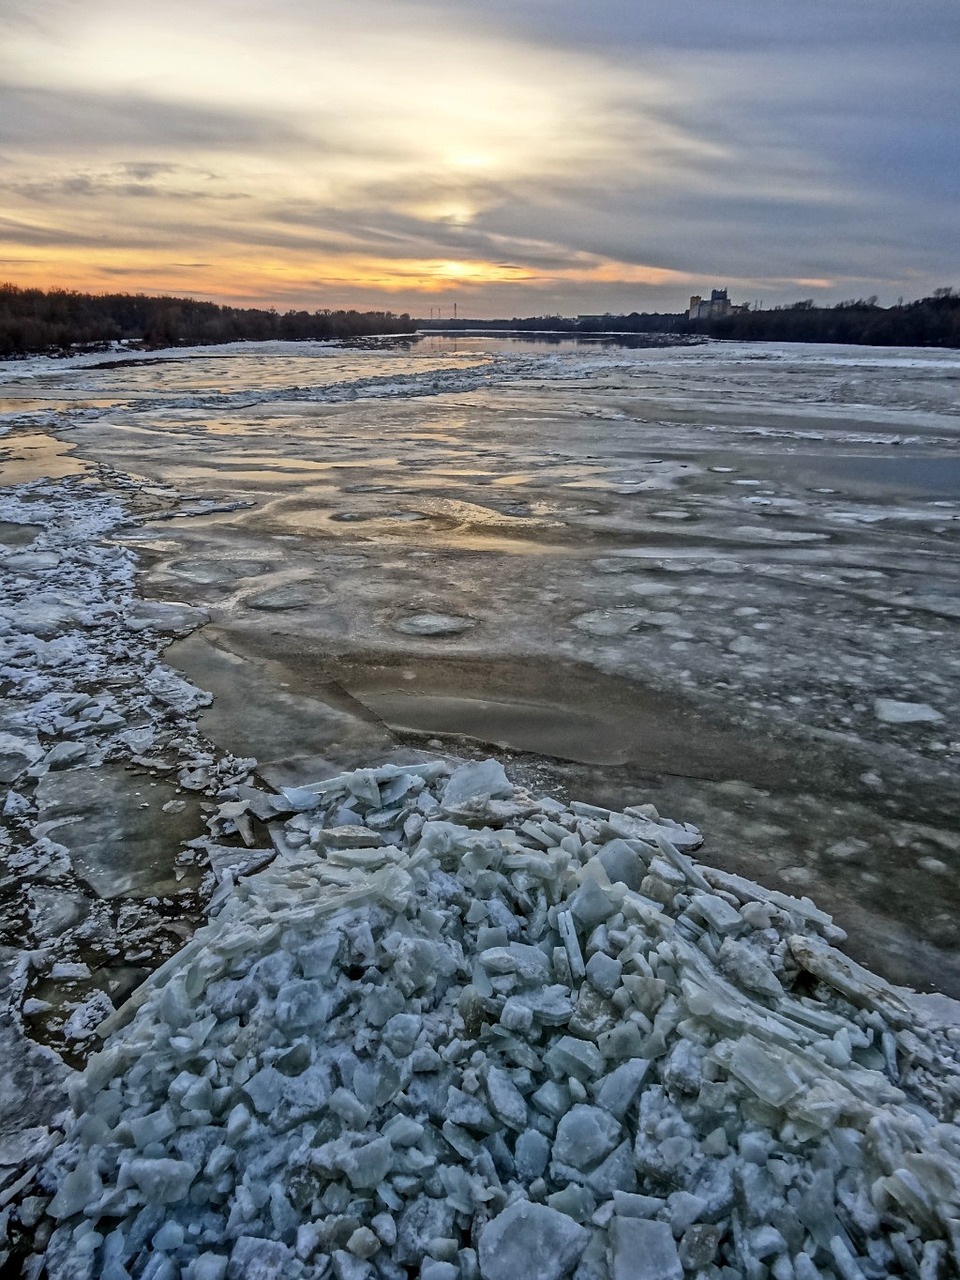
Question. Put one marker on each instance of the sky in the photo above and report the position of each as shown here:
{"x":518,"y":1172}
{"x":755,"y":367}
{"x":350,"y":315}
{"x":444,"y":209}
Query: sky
{"x":512,"y":157}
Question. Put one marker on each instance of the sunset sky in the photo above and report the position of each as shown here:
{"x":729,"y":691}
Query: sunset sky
{"x":516,"y":157}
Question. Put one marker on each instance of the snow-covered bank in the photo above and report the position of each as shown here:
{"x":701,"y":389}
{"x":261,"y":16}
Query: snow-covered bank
{"x":456,"y":1031}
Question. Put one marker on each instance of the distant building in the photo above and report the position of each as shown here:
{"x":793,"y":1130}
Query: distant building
{"x":715,"y":308}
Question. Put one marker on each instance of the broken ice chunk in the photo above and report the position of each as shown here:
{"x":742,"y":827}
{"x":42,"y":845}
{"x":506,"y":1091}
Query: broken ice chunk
{"x":604,"y":972}
{"x":161,"y":1181}
{"x":434,"y":1269}
{"x":530,"y":1240}
{"x":591,"y":905}
{"x":317,"y":957}
{"x":265,"y":1089}
{"x":846,"y":976}
{"x":400,"y":1033}
{"x":506,"y":1100}
{"x":622,"y":864}
{"x":616,"y":1173}
{"x":516,"y":1016}
{"x":265,"y":1259}
{"x":550,"y":1007}
{"x":206,"y":1266}
{"x":571,"y":943}
{"x":623,"y":1041}
{"x":761,"y":1073}
{"x":891,"y":711}
{"x":63,"y":755}
{"x":79,"y":1188}
{"x":552,"y":1098}
{"x":468,"y":1112}
{"x":347,"y":837}
{"x":747,"y":968}
{"x":577,"y":1202}
{"x":369,"y":1164}
{"x":683,"y":864}
{"x":572,"y":1057}
{"x":617,"y":1091}
{"x":718,"y":913}
{"x":629,"y":1205}
{"x":531,"y":1155}
{"x":350,"y":1110}
{"x":474,"y":783}
{"x":301,"y":799}
{"x":642,"y":1249}
{"x":302,"y":1003}
{"x":363,"y":785}
{"x":528,"y":963}
{"x":584,"y":1136}
{"x":167,"y":687}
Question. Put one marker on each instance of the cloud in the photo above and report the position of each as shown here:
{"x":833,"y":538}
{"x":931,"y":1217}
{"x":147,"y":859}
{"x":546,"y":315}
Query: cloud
{"x":583,"y":153}
{"x":133,"y":179}
{"x":54,"y":121}
{"x":13,"y":231}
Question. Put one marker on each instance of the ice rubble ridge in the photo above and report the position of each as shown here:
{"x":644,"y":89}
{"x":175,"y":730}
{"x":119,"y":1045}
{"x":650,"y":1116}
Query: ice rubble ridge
{"x":429,"y":382}
{"x":455,"y":1032}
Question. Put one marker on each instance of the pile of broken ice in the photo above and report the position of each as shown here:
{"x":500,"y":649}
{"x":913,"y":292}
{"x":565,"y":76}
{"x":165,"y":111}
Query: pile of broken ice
{"x":457,"y":1032}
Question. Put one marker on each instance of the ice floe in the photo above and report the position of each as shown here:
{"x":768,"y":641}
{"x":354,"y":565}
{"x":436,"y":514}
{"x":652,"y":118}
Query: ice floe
{"x":890,"y":711}
{"x":434,"y":624}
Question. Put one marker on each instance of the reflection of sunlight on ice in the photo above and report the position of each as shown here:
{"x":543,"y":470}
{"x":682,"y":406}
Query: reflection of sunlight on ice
{"x":36,"y":457}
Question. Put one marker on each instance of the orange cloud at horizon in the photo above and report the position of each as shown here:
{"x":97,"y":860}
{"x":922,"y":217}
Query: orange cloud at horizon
{"x":273,"y":280}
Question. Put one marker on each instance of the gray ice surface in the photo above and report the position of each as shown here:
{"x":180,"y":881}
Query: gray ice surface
{"x":754,"y":546}
{"x":722,"y":579}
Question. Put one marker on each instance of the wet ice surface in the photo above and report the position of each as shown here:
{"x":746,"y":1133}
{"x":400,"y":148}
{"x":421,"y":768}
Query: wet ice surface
{"x":115,"y":827}
{"x":766,"y":537}
{"x":700,"y":576}
{"x":100,"y":766}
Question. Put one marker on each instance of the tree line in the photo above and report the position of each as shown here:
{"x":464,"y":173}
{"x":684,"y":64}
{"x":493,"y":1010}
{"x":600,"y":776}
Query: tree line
{"x":933,"y":321}
{"x":58,"y":320}
{"x":635,"y":322}
{"x":927,"y":322}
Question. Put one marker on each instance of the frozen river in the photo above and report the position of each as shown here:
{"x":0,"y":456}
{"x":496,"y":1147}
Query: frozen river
{"x":721,"y":578}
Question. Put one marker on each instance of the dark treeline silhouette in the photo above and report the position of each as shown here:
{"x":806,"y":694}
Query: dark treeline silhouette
{"x":54,"y":320}
{"x":635,"y":322}
{"x":928,"y":322}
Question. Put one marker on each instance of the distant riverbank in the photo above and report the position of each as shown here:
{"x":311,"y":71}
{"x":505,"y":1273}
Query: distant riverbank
{"x":54,"y":321}
{"x":57,"y":322}
{"x":926,"y":322}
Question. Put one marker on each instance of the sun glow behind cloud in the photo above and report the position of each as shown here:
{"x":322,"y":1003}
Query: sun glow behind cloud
{"x":393,"y":150}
